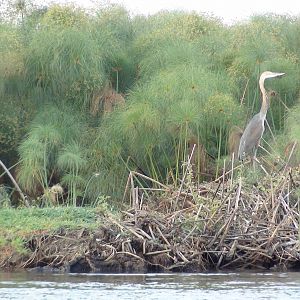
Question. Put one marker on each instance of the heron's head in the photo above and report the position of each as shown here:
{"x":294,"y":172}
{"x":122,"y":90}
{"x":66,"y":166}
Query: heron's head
{"x":268,"y":74}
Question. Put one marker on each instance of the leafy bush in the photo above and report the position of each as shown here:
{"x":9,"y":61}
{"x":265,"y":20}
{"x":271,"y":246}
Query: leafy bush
{"x":49,"y":152}
{"x":186,"y":79}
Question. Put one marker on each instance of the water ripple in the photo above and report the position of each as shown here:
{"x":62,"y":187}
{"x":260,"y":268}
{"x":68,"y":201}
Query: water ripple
{"x":223,"y":286}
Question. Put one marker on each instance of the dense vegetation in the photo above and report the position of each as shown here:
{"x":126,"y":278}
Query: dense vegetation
{"x":87,"y":97}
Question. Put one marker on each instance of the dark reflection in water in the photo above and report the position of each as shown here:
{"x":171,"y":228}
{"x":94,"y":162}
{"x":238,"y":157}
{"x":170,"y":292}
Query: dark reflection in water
{"x":214,"y":286}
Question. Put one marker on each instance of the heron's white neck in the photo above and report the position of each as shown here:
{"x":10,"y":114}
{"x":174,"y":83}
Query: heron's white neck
{"x":265,"y":99}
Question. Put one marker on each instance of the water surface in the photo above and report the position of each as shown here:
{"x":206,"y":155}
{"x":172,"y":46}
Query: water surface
{"x":245,"y":285}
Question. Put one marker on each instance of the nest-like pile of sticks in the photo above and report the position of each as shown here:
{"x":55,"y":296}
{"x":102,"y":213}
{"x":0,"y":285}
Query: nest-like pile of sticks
{"x":228,"y":223}
{"x":225,"y":224}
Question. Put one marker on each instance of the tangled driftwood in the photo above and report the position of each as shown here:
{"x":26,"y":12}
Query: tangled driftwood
{"x":227,"y":223}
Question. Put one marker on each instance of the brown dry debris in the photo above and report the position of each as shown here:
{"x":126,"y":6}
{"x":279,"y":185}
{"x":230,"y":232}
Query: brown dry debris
{"x":106,"y":100}
{"x":224,"y":224}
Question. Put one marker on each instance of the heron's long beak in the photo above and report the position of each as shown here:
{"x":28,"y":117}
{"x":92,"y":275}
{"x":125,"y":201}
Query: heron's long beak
{"x":278,"y":74}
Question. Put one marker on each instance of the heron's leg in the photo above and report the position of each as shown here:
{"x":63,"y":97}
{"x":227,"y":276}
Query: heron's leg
{"x":255,"y":152}
{"x":254,"y":159}
{"x":254,"y":163}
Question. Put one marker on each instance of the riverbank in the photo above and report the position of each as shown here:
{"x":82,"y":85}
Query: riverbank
{"x":229,"y":223}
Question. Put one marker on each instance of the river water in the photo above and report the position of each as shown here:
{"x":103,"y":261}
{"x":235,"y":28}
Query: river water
{"x":246,"y":285}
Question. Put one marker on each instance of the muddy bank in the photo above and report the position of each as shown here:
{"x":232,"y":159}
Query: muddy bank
{"x":225,"y":224}
{"x":113,"y":248}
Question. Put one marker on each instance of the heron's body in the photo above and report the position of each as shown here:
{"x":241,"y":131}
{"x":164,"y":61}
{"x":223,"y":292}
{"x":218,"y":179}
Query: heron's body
{"x":251,"y":136}
{"x":254,"y":130}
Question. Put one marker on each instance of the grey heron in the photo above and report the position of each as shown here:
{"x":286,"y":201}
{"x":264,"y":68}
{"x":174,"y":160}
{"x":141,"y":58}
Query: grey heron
{"x":254,"y":130}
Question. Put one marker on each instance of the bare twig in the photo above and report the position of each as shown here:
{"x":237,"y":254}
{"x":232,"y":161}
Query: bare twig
{"x":15,"y":184}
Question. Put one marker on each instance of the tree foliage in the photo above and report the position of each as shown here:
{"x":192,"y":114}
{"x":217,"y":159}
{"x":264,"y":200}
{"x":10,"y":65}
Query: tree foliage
{"x":186,"y":78}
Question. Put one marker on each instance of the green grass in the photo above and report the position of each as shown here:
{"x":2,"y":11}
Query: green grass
{"x":19,"y":225}
{"x":27,"y":221}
